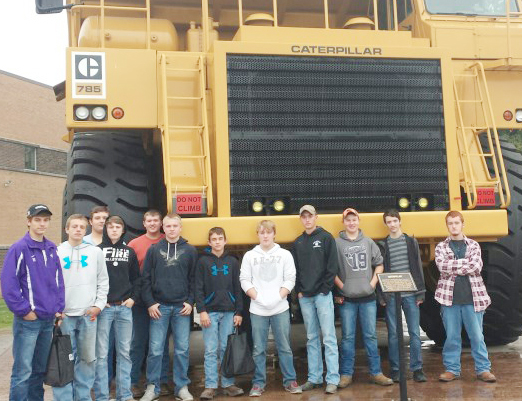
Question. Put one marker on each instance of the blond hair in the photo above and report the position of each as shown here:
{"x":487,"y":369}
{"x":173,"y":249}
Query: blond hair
{"x":267,"y":225}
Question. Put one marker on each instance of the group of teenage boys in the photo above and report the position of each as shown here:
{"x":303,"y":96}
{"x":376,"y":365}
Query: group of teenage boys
{"x":97,"y":287}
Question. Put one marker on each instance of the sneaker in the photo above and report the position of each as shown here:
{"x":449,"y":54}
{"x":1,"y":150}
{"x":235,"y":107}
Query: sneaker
{"x":448,"y":377}
{"x":310,"y":386}
{"x":233,"y":391}
{"x":419,"y":376}
{"x":137,"y":391}
{"x":184,"y":394}
{"x":165,"y":389}
{"x":256,"y":391}
{"x":345,"y":381}
{"x":150,"y":394}
{"x":293,"y":388}
{"x":395,"y":376}
{"x":381,"y":380}
{"x":487,"y":377}
{"x":330,"y":388}
{"x":207,"y":394}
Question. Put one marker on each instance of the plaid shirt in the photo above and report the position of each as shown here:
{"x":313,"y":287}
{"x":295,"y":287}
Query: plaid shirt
{"x":450,"y":268}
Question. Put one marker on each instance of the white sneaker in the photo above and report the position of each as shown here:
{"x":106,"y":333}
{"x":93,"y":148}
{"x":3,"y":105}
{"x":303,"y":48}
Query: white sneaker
{"x":150,"y":394}
{"x":184,"y":394}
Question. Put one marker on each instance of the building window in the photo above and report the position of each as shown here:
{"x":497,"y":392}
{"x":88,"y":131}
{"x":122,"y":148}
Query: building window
{"x":30,"y":157}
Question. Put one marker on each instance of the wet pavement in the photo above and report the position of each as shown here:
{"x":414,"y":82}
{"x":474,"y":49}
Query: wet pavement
{"x":506,"y":360}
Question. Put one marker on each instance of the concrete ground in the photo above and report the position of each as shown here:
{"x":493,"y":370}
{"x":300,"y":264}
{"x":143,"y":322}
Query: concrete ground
{"x":506,"y":360}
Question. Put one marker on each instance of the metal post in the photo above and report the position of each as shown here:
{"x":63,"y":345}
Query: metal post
{"x":402,"y":370}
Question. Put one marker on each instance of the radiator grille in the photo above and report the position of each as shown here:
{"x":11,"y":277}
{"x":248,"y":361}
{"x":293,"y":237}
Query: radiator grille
{"x":335,"y":132}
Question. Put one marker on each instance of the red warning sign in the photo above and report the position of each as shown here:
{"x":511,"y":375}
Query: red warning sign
{"x":189,"y":204}
{"x":485,"y":196}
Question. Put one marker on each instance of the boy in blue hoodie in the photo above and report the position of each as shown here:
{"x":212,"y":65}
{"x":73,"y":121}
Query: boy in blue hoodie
{"x":32,"y":287}
{"x":219,"y":301}
{"x":86,"y":286}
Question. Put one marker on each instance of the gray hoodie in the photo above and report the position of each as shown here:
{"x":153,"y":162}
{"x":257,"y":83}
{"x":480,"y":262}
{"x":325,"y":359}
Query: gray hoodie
{"x":357,"y":259}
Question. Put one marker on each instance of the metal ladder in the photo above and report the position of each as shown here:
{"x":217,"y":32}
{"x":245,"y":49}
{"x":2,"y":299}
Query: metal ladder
{"x":202,"y":182}
{"x":498,"y":180}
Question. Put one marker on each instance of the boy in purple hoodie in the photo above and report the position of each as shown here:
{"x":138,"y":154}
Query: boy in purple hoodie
{"x":32,"y":287}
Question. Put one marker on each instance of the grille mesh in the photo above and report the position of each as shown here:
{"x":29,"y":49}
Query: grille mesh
{"x":335,"y":132}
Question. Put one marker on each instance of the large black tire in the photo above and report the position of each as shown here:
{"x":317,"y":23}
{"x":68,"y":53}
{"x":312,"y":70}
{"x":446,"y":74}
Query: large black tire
{"x":501,"y":271}
{"x":108,"y":168}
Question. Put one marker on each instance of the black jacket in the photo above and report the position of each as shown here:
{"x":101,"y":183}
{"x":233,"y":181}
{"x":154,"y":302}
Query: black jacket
{"x":168,"y":273}
{"x":123,"y":269}
{"x":217,"y":284}
{"x":316,"y":262}
{"x":415,"y":262}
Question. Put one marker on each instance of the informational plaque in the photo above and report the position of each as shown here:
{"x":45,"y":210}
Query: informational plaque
{"x":397,"y":282}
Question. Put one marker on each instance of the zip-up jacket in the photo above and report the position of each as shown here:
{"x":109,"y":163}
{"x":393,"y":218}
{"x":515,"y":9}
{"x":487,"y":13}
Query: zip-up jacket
{"x":316,"y":262}
{"x":357,"y":258}
{"x":85,"y":277}
{"x":123,"y":269}
{"x":217,"y":284}
{"x":267,"y":272}
{"x":32,"y":278}
{"x":168,"y":273}
{"x":415,"y":263}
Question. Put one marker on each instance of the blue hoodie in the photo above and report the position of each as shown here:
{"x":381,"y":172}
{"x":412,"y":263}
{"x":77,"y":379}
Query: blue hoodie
{"x":32,"y":278}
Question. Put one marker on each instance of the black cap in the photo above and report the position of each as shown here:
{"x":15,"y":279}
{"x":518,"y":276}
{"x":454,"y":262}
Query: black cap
{"x":37,"y":209}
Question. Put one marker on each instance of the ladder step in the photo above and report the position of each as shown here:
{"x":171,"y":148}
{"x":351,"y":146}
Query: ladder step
{"x":482,"y":155}
{"x":200,"y":188}
{"x":183,"y":69}
{"x":185,"y":127}
{"x":489,"y":184}
{"x":187,"y":156}
{"x":466,"y":75}
{"x":476,"y":128}
{"x":184,"y":97}
{"x":470,"y":101}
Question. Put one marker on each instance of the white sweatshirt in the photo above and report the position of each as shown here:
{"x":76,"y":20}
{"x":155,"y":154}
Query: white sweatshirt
{"x":267,"y":272}
{"x":85,"y":277}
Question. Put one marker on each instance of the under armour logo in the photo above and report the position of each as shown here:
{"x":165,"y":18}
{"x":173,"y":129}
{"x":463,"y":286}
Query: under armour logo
{"x":68,"y":261}
{"x":215,"y":270}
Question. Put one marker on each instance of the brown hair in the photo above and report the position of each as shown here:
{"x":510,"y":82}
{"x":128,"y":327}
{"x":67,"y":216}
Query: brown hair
{"x":152,"y":213}
{"x":76,"y":216}
{"x":99,"y":209}
{"x":454,"y":214}
{"x":391,"y":213}
{"x":115,"y":220}
{"x":268,"y":225}
{"x":217,"y":231}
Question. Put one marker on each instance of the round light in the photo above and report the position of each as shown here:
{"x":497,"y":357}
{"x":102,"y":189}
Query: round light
{"x":99,"y":113}
{"x":518,"y":115}
{"x":117,"y":113}
{"x":423,"y":203}
{"x":404,"y":203}
{"x":82,"y":113}
{"x":279,"y":206}
{"x":508,"y":115}
{"x":257,"y":207}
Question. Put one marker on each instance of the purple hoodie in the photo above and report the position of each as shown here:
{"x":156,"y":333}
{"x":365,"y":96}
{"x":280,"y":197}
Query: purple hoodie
{"x":32,"y":278}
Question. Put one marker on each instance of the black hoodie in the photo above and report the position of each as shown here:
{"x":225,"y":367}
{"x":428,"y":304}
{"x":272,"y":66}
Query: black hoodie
{"x":123,"y":269}
{"x":168,"y":273}
{"x":316,"y":262}
{"x":217,"y":284}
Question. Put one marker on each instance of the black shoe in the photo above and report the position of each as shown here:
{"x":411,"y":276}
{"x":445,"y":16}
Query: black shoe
{"x":419,"y":376}
{"x":395,"y":376}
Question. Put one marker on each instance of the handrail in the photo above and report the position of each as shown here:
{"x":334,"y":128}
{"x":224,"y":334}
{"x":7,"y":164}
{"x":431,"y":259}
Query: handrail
{"x":164,"y":132}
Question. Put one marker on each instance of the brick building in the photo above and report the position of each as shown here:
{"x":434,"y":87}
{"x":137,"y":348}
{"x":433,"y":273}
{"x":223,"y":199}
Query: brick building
{"x":33,"y":157}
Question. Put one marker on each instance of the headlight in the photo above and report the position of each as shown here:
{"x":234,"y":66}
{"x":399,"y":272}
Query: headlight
{"x":82,"y":113}
{"x":423,"y":203}
{"x":404,"y":203}
{"x":279,"y":205}
{"x":257,"y":207}
{"x":518,"y":115}
{"x":99,"y":113}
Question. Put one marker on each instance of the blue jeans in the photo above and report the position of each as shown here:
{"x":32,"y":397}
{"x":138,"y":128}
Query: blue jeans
{"x":367,"y":312}
{"x":319,"y":317}
{"x":180,"y":326}
{"x":453,"y":317}
{"x":280,"y":324}
{"x":119,"y":317}
{"x":412,"y":313}
{"x":215,"y":337}
{"x":31,"y":345}
{"x":140,"y":345}
{"x":83,"y":341}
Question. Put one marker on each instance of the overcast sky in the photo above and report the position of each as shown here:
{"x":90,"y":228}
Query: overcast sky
{"x":32,"y":45}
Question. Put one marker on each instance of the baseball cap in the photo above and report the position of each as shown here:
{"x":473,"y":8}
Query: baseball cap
{"x":307,"y":208}
{"x":37,"y":209}
{"x":350,"y":211}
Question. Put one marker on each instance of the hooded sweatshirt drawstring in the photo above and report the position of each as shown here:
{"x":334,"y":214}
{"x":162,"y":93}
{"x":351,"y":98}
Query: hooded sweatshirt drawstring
{"x":175,"y":250}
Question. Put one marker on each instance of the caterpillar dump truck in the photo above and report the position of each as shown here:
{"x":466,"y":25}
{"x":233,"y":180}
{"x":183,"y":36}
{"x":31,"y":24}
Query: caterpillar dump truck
{"x":230,"y":111}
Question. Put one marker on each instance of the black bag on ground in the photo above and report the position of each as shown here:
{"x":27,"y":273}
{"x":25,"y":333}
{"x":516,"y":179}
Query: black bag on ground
{"x":60,"y":365}
{"x":237,"y":359}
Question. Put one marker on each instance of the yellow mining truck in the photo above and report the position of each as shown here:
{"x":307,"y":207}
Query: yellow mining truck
{"x":230,"y":111}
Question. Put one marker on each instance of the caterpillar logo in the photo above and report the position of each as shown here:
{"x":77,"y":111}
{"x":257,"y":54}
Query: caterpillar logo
{"x":88,"y":75}
{"x":343,"y":50}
